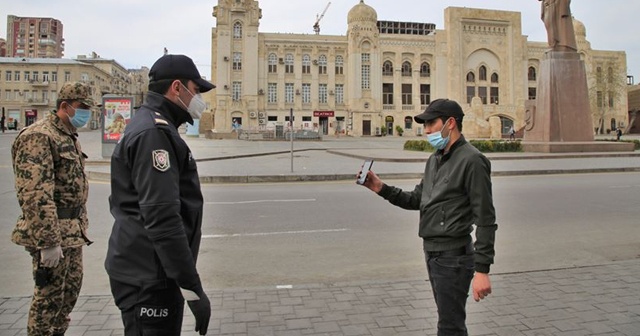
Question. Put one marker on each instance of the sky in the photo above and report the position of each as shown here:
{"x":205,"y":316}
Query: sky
{"x":135,"y":32}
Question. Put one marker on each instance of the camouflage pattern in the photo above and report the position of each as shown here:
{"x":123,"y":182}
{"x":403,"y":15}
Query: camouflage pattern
{"x":52,"y":304}
{"x":79,"y":91}
{"x":49,"y":174}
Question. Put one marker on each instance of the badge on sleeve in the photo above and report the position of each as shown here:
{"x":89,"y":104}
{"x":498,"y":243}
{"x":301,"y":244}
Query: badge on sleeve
{"x":161,"y":160}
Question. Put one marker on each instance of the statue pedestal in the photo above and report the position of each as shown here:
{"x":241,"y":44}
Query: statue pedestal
{"x":561,"y":120}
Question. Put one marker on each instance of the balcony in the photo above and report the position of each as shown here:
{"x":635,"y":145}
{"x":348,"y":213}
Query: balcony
{"x":39,"y":83}
{"x":38,"y":102}
{"x":388,"y":107}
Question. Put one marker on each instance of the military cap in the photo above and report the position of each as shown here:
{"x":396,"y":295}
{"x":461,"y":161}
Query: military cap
{"x":79,"y":91}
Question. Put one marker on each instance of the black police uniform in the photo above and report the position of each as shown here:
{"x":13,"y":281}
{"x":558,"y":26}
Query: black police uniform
{"x":157,"y":205}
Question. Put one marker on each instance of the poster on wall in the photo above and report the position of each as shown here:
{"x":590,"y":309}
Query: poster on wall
{"x":116,"y":114}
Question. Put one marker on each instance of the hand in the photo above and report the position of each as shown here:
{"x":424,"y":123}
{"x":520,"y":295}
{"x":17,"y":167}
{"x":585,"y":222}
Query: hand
{"x":481,"y":286}
{"x":201,"y":309}
{"x":372,"y":182}
{"x":50,"y":257}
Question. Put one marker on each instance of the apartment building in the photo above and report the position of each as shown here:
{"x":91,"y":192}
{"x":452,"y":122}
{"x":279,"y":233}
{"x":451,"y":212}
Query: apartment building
{"x":34,"y":37}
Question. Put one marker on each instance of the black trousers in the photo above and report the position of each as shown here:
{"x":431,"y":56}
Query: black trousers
{"x":149,"y":310}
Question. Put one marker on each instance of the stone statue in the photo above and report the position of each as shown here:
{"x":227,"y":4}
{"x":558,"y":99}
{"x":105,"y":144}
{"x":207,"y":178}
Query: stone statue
{"x":556,"y":15}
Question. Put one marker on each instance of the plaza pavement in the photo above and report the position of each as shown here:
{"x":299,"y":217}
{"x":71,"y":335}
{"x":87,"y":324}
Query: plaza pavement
{"x":594,"y":300}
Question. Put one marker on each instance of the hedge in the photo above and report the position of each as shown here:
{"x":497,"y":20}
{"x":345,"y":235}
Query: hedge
{"x":485,"y":146}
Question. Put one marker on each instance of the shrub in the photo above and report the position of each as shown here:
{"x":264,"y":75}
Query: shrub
{"x":485,"y":146}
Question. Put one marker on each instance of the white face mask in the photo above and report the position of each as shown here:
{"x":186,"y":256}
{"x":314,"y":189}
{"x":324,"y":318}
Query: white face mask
{"x":196,"y":106}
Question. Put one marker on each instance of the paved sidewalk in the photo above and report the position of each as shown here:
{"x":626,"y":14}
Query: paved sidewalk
{"x":596,"y":300}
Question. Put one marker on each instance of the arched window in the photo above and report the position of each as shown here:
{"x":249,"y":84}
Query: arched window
{"x":471,"y":77}
{"x":339,"y":65}
{"x":482,"y":73}
{"x":406,"y":69}
{"x":532,"y":74}
{"x":387,"y":68}
{"x":494,"y":78}
{"x":288,"y":63}
{"x":610,"y":75}
{"x":322,"y":64}
{"x":599,"y":74}
{"x":425,"y":70}
{"x":273,"y":63}
{"x":237,"y":30}
{"x":306,"y":64}
{"x":613,"y":124}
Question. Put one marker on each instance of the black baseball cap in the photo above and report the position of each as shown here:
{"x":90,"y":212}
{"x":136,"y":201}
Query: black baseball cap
{"x":440,"y":108}
{"x":178,"y":67}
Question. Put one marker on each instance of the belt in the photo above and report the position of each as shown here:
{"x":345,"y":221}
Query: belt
{"x":69,"y":213}
{"x":467,"y":249}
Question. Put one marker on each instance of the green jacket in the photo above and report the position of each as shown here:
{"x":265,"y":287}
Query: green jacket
{"x":454,"y":194}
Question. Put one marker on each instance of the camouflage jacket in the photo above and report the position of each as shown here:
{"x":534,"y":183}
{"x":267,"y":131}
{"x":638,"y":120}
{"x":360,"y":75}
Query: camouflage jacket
{"x":49,"y":179}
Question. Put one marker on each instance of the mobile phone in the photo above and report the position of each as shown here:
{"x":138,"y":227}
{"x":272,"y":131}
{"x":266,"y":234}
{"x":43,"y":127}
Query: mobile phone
{"x":365,"y":169}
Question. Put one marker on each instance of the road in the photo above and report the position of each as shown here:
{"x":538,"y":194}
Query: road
{"x":301,"y":233}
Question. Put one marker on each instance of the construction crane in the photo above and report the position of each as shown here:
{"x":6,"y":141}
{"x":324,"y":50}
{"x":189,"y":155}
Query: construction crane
{"x":316,"y":26}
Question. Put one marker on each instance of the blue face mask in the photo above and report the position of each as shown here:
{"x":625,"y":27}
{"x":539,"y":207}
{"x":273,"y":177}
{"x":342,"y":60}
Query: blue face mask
{"x":436,"y":140}
{"x":80,"y":118}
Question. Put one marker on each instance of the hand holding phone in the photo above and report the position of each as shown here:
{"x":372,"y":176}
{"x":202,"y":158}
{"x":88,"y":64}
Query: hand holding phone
{"x":362,"y":178}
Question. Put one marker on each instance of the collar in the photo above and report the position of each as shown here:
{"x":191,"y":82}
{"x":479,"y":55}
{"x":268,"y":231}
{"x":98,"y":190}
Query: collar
{"x":60,"y":125}
{"x":171,"y":111}
{"x":459,"y":143}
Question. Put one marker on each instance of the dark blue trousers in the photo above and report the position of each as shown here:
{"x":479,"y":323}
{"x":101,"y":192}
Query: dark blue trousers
{"x":450,"y":274}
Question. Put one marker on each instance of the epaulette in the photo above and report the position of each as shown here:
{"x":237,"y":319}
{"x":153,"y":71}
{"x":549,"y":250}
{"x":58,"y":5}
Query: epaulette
{"x":160,"y":121}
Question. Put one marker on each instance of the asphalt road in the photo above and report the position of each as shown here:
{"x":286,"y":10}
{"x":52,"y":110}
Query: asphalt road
{"x":301,"y":233}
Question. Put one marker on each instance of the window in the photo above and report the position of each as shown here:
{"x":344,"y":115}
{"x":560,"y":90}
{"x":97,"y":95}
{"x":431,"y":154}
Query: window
{"x":339,"y":65}
{"x":482,"y":73}
{"x":494,"y":77}
{"x":17,"y":76}
{"x":306,"y":93}
{"x":272,"y":93}
{"x":36,"y":76}
{"x":288,"y":63}
{"x":54,"y":76}
{"x":366,"y":58}
{"x":471,"y":77}
{"x":387,"y":93}
{"x":288,"y":93}
{"x":366,"y":75}
{"x":236,"y":91}
{"x":610,"y":75}
{"x":611,"y":96}
{"x":408,"y":122}
{"x":406,"y":69}
{"x":306,"y":64}
{"x":27,"y":76}
{"x":482,"y":93}
{"x":407,"y":99}
{"x":7,"y":76}
{"x":273,"y":63}
{"x":339,"y":93}
{"x":425,"y":94}
{"x":237,"y":61}
{"x":599,"y":75}
{"x":532,"y":93}
{"x":7,"y":95}
{"x":494,"y":93}
{"x":322,"y":93}
{"x":471,"y":92}
{"x":67,"y":76}
{"x":387,"y":68}
{"x":532,"y":74}
{"x":237,"y":30}
{"x":83,"y":76}
{"x":322,"y":65}
{"x":425,"y":70}
{"x":45,"y":76}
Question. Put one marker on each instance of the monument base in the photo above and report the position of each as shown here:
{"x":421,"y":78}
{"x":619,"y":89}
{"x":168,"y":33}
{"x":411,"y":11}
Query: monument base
{"x":577,"y":146}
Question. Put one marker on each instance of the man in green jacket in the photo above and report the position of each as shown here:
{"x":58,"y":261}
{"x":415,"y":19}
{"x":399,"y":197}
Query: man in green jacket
{"x":454,"y":194}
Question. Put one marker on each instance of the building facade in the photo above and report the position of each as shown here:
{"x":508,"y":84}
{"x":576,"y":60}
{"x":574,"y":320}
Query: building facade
{"x":380,"y":74}
{"x":34,"y":37}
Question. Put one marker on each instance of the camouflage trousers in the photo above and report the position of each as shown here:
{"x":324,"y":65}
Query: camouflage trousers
{"x":52,"y":303}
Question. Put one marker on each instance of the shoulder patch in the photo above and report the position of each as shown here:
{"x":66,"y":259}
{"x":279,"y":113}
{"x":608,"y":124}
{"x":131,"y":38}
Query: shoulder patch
{"x":161,"y":122}
{"x":161,"y":160}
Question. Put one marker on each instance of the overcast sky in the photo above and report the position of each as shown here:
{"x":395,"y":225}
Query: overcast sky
{"x":134,"y":32}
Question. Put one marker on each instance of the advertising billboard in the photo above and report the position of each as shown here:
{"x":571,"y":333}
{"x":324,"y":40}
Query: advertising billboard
{"x":116,"y":114}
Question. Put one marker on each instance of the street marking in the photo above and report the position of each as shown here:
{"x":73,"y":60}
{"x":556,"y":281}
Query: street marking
{"x":284,"y":286}
{"x":258,"y":234}
{"x":263,"y":201}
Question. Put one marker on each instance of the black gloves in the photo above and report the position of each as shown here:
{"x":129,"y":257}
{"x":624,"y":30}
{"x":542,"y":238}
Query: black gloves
{"x":201,"y":310}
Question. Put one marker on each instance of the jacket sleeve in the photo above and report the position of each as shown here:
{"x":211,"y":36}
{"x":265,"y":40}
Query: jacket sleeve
{"x":478,"y":184}
{"x":34,"y":171}
{"x":409,"y":200}
{"x":156,"y":175}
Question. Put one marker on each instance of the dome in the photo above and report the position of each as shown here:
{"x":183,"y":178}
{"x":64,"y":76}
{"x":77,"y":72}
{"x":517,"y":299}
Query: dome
{"x":362,"y":12}
{"x":579,"y":28}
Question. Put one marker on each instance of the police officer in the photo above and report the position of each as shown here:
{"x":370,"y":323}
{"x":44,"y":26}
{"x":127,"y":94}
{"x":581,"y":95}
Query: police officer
{"x":52,"y":192}
{"x":157,"y":205}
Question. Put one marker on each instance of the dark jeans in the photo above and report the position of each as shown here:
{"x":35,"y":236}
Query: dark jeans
{"x":155,"y":310}
{"x":450,"y":274}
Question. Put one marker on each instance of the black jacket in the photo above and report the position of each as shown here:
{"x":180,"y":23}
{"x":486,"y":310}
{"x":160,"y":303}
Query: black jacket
{"x":155,"y":199}
{"x":454,"y":194}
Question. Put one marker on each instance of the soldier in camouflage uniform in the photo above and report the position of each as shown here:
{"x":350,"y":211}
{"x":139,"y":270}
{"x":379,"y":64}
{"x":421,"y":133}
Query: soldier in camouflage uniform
{"x":52,"y":191}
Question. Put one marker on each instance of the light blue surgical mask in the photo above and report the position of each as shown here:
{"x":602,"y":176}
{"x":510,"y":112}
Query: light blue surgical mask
{"x":80,"y":118}
{"x":436,"y":140}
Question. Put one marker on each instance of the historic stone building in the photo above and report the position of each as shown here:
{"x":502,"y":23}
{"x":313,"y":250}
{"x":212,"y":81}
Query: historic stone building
{"x":381,"y":73}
